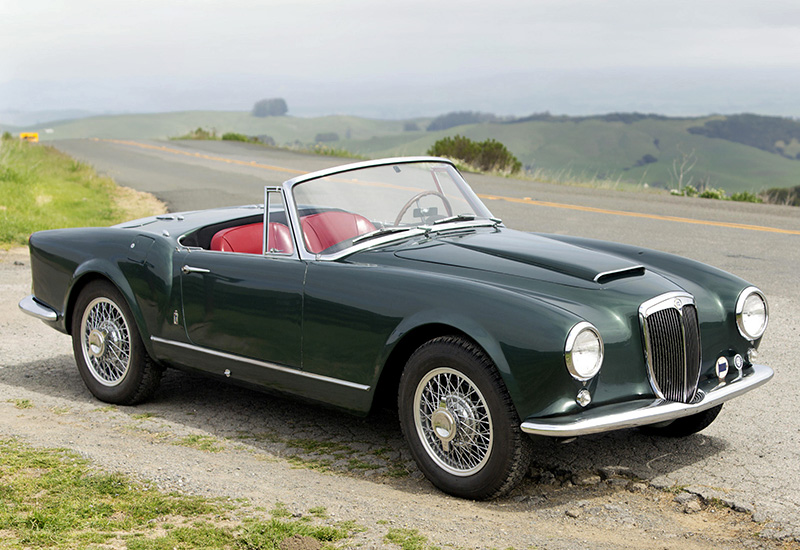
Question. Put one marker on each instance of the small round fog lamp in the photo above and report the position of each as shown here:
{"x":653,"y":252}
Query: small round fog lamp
{"x":584,"y":398}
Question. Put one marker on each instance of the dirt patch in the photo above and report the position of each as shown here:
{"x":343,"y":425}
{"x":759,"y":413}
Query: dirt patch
{"x":132,"y":204}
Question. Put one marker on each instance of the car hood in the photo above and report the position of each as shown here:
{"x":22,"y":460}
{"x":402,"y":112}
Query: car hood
{"x":523,"y":254}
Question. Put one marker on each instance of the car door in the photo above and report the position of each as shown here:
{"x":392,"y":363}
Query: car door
{"x":244,"y":310}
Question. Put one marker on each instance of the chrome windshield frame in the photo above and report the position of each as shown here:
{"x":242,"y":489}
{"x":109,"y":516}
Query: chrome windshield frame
{"x":293,"y":215}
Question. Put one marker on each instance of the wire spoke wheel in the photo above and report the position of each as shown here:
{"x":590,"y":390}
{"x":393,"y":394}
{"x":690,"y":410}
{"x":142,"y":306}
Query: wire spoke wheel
{"x":453,"y":421}
{"x":106,"y":341}
{"x":459,"y":421}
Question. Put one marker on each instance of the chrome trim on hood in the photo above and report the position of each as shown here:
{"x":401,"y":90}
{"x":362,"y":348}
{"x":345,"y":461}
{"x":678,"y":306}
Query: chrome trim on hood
{"x":619,"y":273}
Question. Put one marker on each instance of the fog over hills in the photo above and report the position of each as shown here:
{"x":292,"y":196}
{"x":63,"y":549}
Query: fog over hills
{"x":668,"y":91}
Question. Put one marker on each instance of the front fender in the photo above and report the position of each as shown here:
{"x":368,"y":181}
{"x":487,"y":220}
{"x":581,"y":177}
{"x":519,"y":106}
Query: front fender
{"x":523,"y":336}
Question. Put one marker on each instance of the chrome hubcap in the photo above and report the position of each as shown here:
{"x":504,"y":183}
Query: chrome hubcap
{"x":97,"y":343}
{"x":453,"y":421}
{"x":444,"y":425}
{"x":105,"y":341}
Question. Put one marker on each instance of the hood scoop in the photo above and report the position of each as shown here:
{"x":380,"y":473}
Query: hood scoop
{"x":608,"y":276}
{"x":524,"y":254}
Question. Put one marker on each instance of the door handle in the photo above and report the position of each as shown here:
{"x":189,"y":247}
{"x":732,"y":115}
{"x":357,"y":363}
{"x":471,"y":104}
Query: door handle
{"x":189,"y":269}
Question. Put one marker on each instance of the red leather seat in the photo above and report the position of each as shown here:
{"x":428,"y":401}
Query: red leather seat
{"x":326,"y":229}
{"x":249,"y":238}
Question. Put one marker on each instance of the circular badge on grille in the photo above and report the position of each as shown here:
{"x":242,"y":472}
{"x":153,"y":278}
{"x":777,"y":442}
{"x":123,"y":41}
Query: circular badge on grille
{"x":722,"y":368}
{"x":678,"y":303}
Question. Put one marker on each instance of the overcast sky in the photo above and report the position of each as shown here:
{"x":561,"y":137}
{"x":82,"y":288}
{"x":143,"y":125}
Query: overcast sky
{"x":86,"y":53}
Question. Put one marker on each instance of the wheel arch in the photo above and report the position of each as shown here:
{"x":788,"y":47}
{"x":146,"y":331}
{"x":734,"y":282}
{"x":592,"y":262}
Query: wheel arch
{"x":85,"y":278}
{"x":389,"y":380}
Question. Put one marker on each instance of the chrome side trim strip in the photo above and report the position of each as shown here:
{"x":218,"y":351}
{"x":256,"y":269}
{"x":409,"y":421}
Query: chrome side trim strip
{"x":33,"y":307}
{"x":271,"y":366}
{"x":659,"y":410}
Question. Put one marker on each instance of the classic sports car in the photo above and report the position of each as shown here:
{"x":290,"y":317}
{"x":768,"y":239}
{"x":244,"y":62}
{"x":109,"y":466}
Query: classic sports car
{"x":389,"y":281}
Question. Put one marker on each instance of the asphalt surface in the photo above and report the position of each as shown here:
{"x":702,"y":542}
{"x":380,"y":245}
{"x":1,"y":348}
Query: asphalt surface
{"x":750,"y":456}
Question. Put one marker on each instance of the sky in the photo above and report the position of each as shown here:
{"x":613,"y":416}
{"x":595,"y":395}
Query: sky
{"x":392,"y":58}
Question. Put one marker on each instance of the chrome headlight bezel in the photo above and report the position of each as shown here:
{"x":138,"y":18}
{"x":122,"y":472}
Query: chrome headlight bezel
{"x":741,"y":321}
{"x":577,"y":371}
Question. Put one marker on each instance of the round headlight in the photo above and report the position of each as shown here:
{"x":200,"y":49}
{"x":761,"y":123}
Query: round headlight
{"x":752,"y":313}
{"x":583,"y":351}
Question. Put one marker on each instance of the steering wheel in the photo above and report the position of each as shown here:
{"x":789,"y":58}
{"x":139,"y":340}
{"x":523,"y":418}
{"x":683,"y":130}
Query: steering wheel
{"x":418,"y":196}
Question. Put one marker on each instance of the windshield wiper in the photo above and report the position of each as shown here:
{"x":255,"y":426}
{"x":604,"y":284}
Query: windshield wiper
{"x":380,"y":233}
{"x":463,"y":218}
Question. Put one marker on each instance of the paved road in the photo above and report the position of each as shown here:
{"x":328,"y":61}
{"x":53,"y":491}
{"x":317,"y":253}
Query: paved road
{"x":750,"y":455}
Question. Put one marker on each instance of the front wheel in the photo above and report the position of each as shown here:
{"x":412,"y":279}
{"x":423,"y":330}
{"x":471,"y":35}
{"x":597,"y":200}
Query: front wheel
{"x":108,"y":349}
{"x":685,"y":426}
{"x":458,"y":419}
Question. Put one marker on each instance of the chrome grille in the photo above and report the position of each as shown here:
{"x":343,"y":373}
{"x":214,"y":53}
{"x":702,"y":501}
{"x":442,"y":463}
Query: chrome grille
{"x":672,"y":344}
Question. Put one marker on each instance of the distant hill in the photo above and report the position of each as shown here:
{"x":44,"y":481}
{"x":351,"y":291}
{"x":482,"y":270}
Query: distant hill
{"x":734,"y":152}
{"x":283,"y":129}
{"x":629,"y":147}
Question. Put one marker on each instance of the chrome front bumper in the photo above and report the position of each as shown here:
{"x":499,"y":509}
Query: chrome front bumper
{"x":34,"y":308}
{"x":644,"y":411}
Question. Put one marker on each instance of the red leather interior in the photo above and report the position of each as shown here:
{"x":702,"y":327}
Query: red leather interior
{"x":248,"y":239}
{"x":325,"y":229}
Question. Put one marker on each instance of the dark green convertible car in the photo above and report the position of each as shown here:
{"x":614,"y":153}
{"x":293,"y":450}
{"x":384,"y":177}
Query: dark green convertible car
{"x":389,"y":281}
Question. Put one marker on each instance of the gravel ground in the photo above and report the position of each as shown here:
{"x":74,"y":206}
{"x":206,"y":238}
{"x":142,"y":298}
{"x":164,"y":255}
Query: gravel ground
{"x":268,"y":450}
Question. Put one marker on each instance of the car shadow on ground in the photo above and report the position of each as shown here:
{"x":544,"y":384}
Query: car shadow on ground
{"x":314,"y":437}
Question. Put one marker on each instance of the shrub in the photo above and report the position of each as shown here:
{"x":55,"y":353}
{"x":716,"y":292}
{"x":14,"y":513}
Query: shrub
{"x":711,"y":193}
{"x":687,"y":191}
{"x":270,"y":107}
{"x":486,"y":156}
{"x":779,"y":195}
{"x":233,"y":136}
{"x":326,"y":136}
{"x":646,"y":159}
{"x":200,"y":133}
{"x":7,"y":136}
{"x":746,"y":196}
{"x":266,"y":140}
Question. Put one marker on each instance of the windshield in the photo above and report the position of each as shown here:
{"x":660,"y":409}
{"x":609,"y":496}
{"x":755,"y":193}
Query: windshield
{"x":341,"y":207}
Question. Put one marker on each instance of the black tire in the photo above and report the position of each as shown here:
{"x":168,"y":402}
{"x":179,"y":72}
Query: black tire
{"x":108,"y":349}
{"x":685,"y":426}
{"x":469,"y":444}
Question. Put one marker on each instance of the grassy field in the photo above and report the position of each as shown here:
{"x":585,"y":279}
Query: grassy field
{"x":41,"y":188}
{"x":51,"y":498}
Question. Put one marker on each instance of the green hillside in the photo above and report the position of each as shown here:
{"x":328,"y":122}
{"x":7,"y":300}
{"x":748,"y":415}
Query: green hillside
{"x":594,"y":148}
{"x":284,"y":129}
{"x":736,"y":153}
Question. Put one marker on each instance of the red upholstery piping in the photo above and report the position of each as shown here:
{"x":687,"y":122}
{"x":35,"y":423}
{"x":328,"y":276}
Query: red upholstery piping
{"x":326,"y":229}
{"x":248,"y":239}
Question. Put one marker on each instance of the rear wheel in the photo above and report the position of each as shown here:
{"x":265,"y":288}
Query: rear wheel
{"x":685,"y":426}
{"x":459,"y":422}
{"x":108,"y":349}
